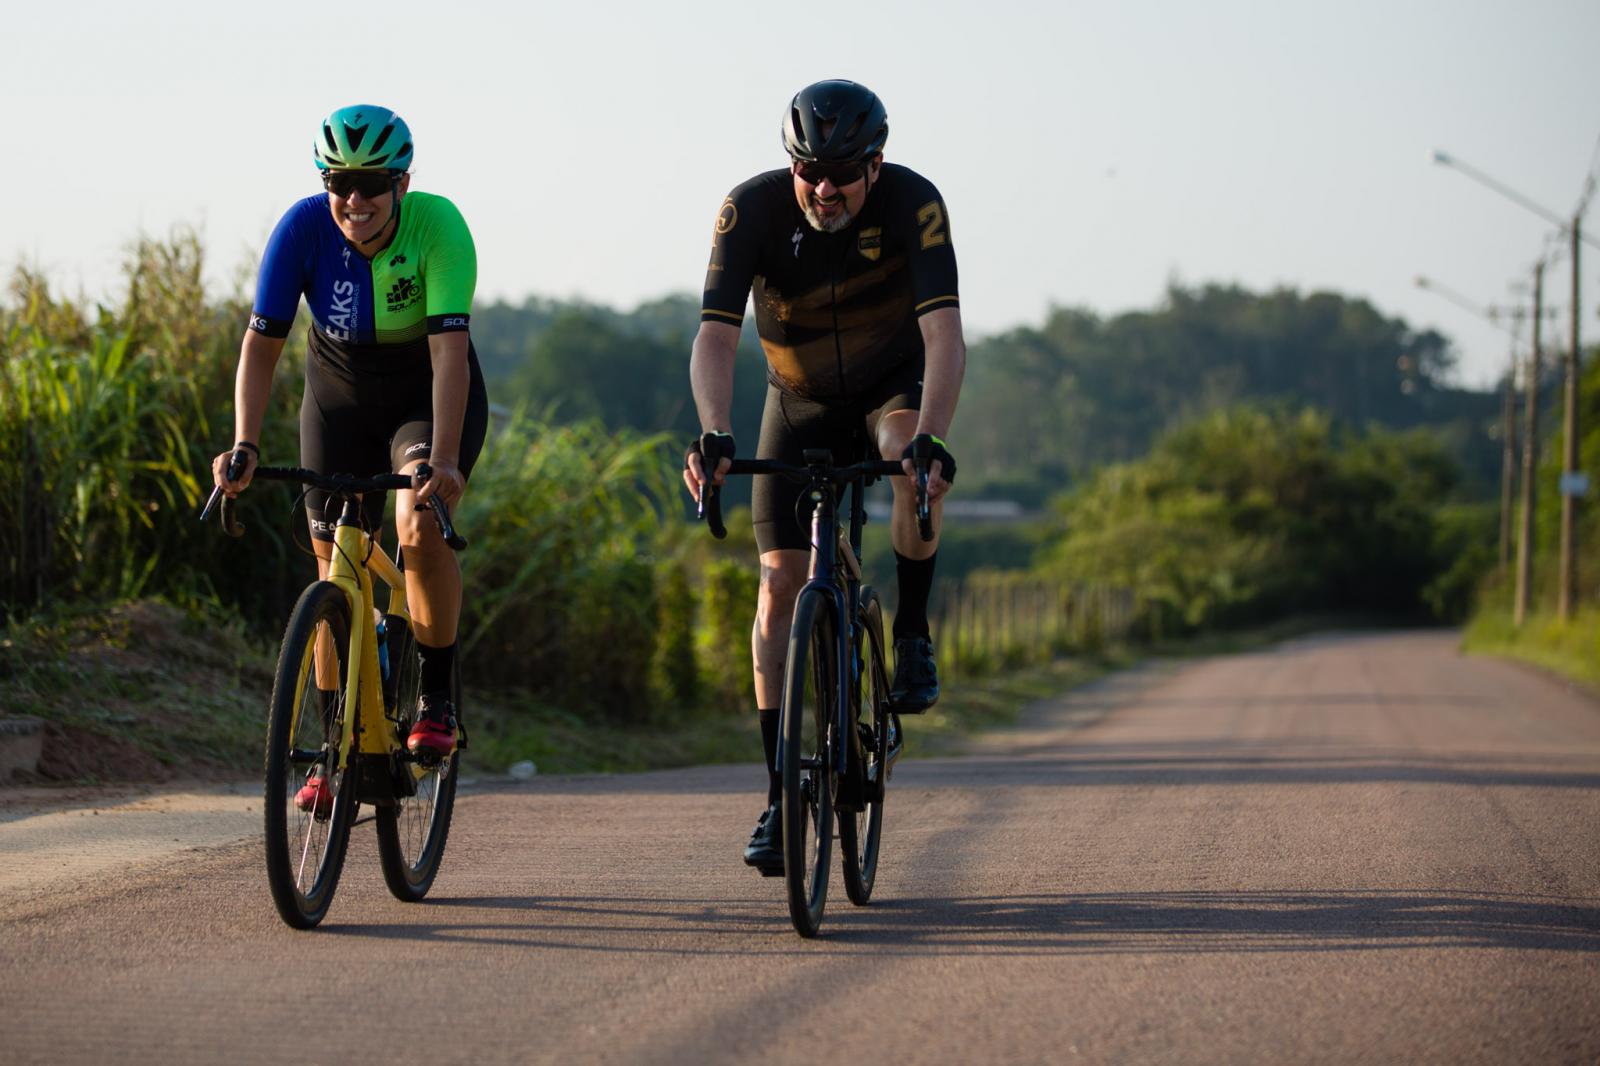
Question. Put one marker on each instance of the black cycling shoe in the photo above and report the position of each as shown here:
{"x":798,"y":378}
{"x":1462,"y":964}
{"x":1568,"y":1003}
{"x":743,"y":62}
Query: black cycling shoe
{"x":916,"y":679}
{"x":765,"y":850}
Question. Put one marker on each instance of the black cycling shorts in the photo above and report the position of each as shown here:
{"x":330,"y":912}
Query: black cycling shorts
{"x":372,"y":415}
{"x":848,"y":428}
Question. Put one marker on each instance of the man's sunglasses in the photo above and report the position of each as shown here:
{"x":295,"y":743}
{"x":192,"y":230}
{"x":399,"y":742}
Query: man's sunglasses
{"x":840,"y":174}
{"x":369,"y":183}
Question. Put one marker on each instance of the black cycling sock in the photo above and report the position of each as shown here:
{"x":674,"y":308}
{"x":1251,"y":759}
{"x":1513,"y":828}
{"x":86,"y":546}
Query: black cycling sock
{"x":769,"y":742}
{"x":438,"y":667}
{"x":916,"y":582}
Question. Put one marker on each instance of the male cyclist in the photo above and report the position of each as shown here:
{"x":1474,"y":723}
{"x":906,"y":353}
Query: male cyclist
{"x":856,"y":306}
{"x":392,"y":380}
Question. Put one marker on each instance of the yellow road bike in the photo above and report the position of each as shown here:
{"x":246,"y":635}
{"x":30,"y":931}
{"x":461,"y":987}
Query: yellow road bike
{"x":337,"y":728}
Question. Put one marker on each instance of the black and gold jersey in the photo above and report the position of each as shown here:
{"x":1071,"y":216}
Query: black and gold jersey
{"x":835,"y":311}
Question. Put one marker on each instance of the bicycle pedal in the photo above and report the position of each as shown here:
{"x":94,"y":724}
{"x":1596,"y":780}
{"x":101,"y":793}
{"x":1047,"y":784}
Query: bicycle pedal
{"x":428,"y":760}
{"x":770,"y":871}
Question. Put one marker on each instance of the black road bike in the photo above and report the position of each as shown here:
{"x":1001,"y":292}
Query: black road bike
{"x":840,"y":737}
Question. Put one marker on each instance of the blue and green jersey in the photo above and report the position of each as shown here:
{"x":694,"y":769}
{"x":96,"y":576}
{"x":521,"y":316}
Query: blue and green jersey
{"x":421,"y":283}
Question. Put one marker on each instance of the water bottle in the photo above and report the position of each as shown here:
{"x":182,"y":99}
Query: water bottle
{"x":383,"y":648}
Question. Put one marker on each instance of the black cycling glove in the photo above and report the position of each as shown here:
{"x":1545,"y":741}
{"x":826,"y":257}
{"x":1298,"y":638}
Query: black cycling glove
{"x":933,"y":448}
{"x":712,"y":448}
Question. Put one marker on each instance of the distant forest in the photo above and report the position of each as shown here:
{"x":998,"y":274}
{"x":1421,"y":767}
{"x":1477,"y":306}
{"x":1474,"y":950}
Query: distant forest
{"x":1043,"y":407}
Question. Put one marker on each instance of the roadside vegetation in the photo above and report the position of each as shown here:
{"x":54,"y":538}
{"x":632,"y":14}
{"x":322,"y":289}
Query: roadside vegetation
{"x":1572,"y":647}
{"x":1233,"y":478}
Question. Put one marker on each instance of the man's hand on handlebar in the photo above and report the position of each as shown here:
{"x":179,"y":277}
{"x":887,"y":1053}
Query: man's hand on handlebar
{"x":715,"y":446}
{"x":941,"y":465}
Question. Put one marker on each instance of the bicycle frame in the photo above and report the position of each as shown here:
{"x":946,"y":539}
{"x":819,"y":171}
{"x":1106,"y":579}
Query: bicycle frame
{"x":844,"y":591}
{"x":363,"y":732}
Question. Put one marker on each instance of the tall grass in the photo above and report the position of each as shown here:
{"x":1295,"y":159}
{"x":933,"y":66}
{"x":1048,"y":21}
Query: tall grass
{"x":108,"y":420}
{"x":561,"y":589}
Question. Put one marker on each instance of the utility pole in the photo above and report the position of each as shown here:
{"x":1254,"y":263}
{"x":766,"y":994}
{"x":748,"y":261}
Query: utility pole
{"x":1530,"y":449}
{"x":1573,"y":481}
{"x":1567,"y":597}
{"x":1508,"y":458}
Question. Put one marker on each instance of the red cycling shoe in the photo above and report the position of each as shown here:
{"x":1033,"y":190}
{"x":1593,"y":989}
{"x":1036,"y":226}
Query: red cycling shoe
{"x":435,"y":731}
{"x":315,"y":796}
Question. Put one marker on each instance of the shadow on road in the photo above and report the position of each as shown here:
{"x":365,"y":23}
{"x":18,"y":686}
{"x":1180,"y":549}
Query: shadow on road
{"x":1232,"y":922}
{"x":1189,"y":765}
{"x":1138,"y":923}
{"x":1177,"y":763}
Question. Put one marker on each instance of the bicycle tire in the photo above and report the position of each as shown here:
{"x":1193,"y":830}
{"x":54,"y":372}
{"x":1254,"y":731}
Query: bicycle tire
{"x":861,"y":832}
{"x":808,"y":775}
{"x":413,"y":831}
{"x":304,"y":852}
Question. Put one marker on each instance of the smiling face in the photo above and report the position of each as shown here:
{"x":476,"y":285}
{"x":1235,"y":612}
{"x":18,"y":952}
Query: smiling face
{"x":362,"y":218}
{"x":830,"y":207}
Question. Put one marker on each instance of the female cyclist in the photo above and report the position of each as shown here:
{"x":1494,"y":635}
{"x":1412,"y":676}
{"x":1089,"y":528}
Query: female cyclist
{"x":392,"y":380}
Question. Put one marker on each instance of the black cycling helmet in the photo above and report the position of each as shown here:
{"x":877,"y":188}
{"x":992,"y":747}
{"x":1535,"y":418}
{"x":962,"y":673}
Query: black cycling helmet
{"x":853,"y":117}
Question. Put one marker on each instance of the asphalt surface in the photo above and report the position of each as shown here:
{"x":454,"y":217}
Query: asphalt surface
{"x":1350,"y":848}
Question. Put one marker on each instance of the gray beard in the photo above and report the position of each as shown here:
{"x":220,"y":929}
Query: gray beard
{"x":829,"y":225}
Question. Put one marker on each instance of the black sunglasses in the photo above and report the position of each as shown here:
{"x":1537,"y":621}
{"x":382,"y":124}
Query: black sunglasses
{"x":840,"y":174}
{"x":369,"y":183}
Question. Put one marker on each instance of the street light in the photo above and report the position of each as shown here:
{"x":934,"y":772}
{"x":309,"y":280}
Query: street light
{"x":1572,"y":483}
{"x":1563,"y":224}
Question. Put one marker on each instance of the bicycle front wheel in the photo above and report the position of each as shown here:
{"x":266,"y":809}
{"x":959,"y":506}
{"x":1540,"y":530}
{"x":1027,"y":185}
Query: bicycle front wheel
{"x":861,"y":832}
{"x":808,"y":776}
{"x":310,"y":802}
{"x":412,"y":833}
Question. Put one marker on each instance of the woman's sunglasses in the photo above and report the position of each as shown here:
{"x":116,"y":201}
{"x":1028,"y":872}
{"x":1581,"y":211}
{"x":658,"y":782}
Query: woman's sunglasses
{"x":369,"y":183}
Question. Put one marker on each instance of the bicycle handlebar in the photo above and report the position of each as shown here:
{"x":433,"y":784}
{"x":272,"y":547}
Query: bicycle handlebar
{"x":339,"y":484}
{"x":710,"y":503}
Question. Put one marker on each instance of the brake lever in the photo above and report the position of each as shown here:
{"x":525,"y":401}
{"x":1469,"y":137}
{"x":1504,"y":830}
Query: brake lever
{"x":230,"y":524}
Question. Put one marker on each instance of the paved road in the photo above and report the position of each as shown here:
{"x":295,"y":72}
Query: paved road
{"x":1349,"y":848}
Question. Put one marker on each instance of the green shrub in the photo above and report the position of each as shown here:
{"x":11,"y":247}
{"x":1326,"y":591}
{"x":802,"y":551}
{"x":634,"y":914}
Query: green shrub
{"x":728,"y":613}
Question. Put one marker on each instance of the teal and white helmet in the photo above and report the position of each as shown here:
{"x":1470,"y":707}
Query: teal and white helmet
{"x":363,"y":137}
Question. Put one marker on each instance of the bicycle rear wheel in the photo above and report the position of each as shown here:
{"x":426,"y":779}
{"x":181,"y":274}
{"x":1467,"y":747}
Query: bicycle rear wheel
{"x":861,"y":832}
{"x":808,"y":776}
{"x":307,"y":828}
{"x":412,"y":833}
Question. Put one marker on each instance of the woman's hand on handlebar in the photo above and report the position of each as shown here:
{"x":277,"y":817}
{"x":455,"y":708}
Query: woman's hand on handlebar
{"x":231,"y":476}
{"x":445,"y":480}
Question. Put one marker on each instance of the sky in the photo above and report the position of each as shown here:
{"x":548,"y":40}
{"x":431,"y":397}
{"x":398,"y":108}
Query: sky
{"x":1090,"y":154}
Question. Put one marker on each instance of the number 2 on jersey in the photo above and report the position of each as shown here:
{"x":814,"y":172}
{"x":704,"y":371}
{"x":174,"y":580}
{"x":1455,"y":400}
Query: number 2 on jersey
{"x":931,"y":217}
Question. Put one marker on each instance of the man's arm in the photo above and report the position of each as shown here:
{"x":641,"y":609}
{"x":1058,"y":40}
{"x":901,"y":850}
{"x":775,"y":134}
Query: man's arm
{"x":945,"y":366}
{"x":711,"y":377}
{"x":711,"y":374}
